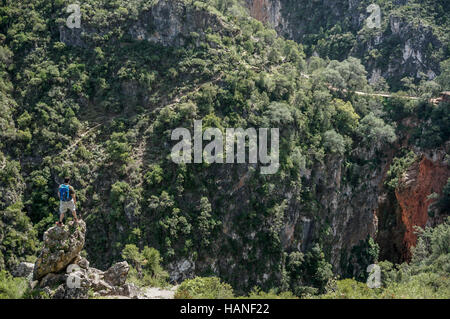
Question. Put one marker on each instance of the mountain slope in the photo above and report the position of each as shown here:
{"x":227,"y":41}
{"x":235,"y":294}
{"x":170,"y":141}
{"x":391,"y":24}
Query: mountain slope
{"x":412,"y":40}
{"x":99,"y":103}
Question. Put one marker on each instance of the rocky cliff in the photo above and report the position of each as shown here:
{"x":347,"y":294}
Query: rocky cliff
{"x":61,"y":273}
{"x":411,"y":205}
{"x":404,"y":46}
{"x":130,"y":75}
{"x":169,"y":23}
{"x":425,"y":177}
{"x":342,"y":212}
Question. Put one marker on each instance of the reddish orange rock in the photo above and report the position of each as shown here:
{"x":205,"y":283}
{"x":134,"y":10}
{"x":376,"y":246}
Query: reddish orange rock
{"x":419,"y":181}
{"x":259,"y":9}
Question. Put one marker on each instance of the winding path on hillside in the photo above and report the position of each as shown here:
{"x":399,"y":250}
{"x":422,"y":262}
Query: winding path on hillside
{"x":387,"y":95}
{"x":177,"y":99}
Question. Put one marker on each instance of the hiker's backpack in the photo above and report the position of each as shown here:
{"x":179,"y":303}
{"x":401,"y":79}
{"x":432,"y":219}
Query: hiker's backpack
{"x":64,"y":193}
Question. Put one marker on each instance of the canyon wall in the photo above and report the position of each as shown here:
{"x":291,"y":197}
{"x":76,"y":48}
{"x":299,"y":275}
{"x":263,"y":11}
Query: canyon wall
{"x":404,"y":46}
{"x":422,"y":179}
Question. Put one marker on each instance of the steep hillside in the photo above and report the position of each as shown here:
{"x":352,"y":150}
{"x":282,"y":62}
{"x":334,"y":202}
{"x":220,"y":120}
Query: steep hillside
{"x":99,"y":104}
{"x":411,"y":41}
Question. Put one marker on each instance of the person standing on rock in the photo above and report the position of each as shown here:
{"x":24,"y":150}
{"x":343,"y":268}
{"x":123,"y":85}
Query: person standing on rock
{"x":67,"y":201}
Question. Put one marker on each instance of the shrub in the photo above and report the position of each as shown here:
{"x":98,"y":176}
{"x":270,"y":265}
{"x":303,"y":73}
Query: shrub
{"x":146,"y":267}
{"x":204,"y":288}
{"x":10,"y":287}
{"x":334,"y":142}
{"x":257,"y":293}
{"x":350,"y":289}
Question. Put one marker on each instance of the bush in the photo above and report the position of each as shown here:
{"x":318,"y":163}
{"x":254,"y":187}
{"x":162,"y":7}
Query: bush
{"x":204,"y":288}
{"x":398,"y":167}
{"x":374,"y":130}
{"x":350,"y":289}
{"x":10,"y":287}
{"x":146,"y":267}
{"x":334,"y":142}
{"x":257,"y":293}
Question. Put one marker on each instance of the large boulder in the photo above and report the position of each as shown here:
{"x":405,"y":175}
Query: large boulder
{"x":117,"y":274}
{"x":62,"y":246}
{"x":61,"y":273}
{"x":78,"y":282}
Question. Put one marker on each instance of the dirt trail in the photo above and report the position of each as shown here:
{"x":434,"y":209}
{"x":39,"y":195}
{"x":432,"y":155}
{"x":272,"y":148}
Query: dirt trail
{"x":158,"y":293}
{"x":365,"y":93}
{"x":152,"y":293}
{"x":82,"y":136}
{"x":218,"y":78}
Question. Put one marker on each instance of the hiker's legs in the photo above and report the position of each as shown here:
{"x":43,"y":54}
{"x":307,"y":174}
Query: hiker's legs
{"x":62,"y":210}
{"x":74,"y":213}
{"x":72,"y":208}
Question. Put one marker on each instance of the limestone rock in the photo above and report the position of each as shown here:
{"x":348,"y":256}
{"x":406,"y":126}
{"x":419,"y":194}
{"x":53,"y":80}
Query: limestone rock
{"x":61,"y":246}
{"x":116,"y":275}
{"x":52,"y":280}
{"x":83,"y":263}
{"x":130,"y":290}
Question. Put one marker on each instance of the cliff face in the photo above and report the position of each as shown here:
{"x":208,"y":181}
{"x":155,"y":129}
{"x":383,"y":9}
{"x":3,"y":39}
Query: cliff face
{"x":427,"y":176}
{"x":400,"y":48}
{"x":266,"y":11}
{"x":345,"y":213}
{"x":411,"y":205}
{"x":257,"y":222}
{"x":168,"y":23}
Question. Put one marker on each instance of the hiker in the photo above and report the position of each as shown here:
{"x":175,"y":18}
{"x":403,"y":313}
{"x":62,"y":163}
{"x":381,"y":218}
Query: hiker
{"x":68,"y":200}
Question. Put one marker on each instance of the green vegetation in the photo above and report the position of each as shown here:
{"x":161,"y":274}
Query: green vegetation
{"x":398,"y":168}
{"x":427,"y":276}
{"x":12,"y":288}
{"x":18,"y":238}
{"x":336,"y":29}
{"x":145,"y":267}
{"x":99,"y":104}
{"x":204,"y":288}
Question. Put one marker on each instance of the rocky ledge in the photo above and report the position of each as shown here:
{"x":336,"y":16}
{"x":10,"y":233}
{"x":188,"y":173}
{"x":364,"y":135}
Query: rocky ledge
{"x":61,"y":273}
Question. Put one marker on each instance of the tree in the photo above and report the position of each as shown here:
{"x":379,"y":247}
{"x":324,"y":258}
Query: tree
{"x":374,"y":131}
{"x":346,"y":119}
{"x":444,"y":201}
{"x":118,"y":148}
{"x":352,"y":73}
{"x":146,"y":266}
{"x":206,"y":222}
{"x":334,"y":142}
{"x":317,"y":270}
{"x":444,"y":78}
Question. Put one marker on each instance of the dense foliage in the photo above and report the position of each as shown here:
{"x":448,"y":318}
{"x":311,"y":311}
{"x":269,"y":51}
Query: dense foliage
{"x":100,"y":105}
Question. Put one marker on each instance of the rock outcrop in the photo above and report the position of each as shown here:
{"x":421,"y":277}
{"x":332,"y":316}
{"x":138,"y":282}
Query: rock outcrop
{"x":266,"y":11}
{"x":117,"y":274}
{"x":62,"y":245}
{"x":422,"y":179}
{"x":61,"y":273}
{"x":411,"y":205}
